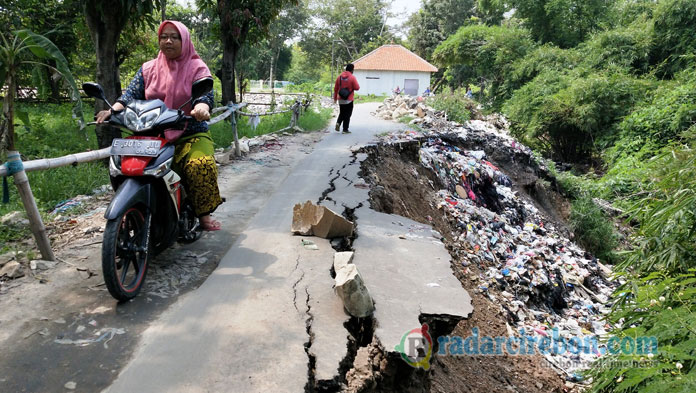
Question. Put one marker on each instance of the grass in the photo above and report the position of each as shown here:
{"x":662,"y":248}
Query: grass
{"x":361,"y":99}
{"x":406,"y":119}
{"x":311,"y":120}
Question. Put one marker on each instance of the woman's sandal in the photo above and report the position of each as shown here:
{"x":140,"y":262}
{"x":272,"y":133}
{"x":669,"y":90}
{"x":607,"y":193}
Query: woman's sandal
{"x":211,"y":225}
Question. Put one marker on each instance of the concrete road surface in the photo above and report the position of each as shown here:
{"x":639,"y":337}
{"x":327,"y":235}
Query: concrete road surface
{"x":252,"y":326}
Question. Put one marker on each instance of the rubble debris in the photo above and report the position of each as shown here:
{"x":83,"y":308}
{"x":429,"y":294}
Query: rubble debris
{"x":7,"y":257}
{"x":398,"y":106}
{"x":70,"y":385}
{"x":12,"y":270}
{"x":41,"y":265}
{"x":310,"y":245}
{"x":351,"y":288}
{"x":341,"y":259}
{"x":15,"y":218}
{"x":540,"y":279}
{"x":312,"y":220}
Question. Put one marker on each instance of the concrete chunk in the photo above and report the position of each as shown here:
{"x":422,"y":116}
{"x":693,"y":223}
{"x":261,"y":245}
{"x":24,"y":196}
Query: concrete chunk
{"x":342,"y":259}
{"x":309,"y":219}
{"x":351,"y":288}
{"x":12,"y":269}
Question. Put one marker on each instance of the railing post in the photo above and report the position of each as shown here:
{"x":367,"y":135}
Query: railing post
{"x":35,"y":222}
{"x":233,"y":123}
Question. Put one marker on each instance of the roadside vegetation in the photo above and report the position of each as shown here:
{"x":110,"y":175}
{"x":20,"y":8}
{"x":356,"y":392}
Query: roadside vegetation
{"x":610,"y":97}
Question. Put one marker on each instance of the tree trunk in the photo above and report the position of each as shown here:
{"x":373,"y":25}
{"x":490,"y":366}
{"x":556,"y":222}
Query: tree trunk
{"x":105,"y":28}
{"x":54,"y":84}
{"x":229,"y":58}
{"x":271,"y":75}
{"x":8,"y":111}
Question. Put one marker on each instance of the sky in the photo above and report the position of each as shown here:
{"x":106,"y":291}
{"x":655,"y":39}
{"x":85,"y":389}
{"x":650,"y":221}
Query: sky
{"x":403,"y":9}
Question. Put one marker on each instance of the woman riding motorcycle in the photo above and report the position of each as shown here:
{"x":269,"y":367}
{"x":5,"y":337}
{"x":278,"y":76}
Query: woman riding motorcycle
{"x":169,"y":78}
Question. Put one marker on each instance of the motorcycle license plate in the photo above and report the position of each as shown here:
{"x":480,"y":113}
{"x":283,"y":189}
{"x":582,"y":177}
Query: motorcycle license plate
{"x":135,"y":147}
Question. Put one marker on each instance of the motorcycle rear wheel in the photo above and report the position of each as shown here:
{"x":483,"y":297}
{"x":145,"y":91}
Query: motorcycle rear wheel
{"x":125,"y":254}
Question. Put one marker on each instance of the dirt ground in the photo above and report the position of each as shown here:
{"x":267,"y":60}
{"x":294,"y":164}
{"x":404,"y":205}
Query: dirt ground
{"x":400,"y":185}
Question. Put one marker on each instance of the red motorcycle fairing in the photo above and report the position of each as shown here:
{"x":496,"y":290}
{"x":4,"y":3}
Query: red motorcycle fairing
{"x":135,"y":165}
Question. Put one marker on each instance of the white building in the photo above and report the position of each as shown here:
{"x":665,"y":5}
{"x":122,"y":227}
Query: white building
{"x":382,"y":70}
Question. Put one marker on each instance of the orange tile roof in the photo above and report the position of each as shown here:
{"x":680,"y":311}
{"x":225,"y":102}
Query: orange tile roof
{"x":393,"y":58}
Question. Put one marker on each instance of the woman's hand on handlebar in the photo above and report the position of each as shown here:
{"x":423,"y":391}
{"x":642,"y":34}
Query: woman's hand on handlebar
{"x":104,"y":115}
{"x":201,"y":112}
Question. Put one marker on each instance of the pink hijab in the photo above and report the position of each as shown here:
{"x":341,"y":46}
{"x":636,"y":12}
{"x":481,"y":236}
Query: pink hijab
{"x":171,"y":80}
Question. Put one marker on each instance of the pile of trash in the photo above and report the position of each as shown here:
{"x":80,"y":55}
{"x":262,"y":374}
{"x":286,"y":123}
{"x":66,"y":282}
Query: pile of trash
{"x":544,"y":283}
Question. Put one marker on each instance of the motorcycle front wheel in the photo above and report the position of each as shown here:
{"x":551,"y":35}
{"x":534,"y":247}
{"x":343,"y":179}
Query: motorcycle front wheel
{"x":125,"y":253}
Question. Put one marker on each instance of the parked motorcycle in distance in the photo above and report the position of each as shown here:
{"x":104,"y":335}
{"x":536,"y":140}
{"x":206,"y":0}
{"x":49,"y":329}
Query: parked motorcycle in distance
{"x":150,"y":210}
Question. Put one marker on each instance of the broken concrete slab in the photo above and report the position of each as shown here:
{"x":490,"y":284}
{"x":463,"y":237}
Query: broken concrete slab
{"x":12,"y":269}
{"x":309,"y":219}
{"x":341,"y":259}
{"x":329,"y":337}
{"x":412,"y":266}
{"x":351,"y":288}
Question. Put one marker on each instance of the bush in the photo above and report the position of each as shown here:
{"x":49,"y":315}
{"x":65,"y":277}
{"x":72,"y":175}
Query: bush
{"x":628,"y":47}
{"x":455,"y":104}
{"x":668,"y":112}
{"x":542,"y":59}
{"x":571,"y":116}
{"x":655,"y":305}
{"x":489,"y":51}
{"x":674,"y":44}
{"x":593,"y":229}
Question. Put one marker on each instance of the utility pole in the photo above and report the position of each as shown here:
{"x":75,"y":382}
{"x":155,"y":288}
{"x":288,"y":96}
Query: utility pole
{"x":332,"y":55}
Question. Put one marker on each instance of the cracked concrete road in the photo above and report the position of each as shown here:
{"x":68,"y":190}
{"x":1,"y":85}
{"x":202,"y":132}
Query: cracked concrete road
{"x":268,"y":312}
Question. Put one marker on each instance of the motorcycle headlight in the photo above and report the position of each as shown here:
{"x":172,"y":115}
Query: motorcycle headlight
{"x":160,"y":170}
{"x":130,"y":118}
{"x":148,"y":119}
{"x":140,"y":123}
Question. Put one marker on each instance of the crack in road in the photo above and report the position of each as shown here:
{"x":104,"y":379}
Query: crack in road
{"x":294,"y":286}
{"x":312,"y":361}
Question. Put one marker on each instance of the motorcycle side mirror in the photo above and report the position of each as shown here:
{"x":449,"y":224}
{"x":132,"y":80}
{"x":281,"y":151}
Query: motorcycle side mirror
{"x":199,"y":88}
{"x":95,"y":90}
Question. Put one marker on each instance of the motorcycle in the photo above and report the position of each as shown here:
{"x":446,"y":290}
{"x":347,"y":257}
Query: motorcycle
{"x":150,"y":210}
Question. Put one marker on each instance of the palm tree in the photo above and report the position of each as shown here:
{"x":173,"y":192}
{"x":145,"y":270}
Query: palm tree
{"x":16,"y":50}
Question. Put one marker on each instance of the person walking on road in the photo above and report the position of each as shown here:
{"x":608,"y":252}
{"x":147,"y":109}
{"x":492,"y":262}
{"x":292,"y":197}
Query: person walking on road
{"x":344,"y":88}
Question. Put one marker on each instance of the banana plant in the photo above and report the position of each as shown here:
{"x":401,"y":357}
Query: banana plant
{"x":24,"y":48}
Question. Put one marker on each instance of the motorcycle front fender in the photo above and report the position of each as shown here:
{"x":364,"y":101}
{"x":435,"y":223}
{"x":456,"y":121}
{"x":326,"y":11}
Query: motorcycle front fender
{"x":131,"y":192}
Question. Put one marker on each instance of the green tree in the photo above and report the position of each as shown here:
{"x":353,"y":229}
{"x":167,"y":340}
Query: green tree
{"x":491,"y":12}
{"x":301,"y":70}
{"x":21,"y":49}
{"x":571,"y":115}
{"x":489,"y":51}
{"x":53,"y":19}
{"x":347,"y":26}
{"x":565,"y":23}
{"x":674,"y":44}
{"x":240,"y":22}
{"x":437,"y":20}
